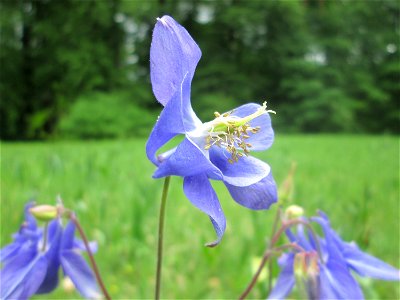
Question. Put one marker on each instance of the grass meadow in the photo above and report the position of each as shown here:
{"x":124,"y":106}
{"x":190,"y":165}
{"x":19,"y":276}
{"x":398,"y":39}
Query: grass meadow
{"x":355,"y":179}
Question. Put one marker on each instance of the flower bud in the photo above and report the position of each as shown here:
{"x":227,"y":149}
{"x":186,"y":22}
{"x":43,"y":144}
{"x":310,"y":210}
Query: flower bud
{"x":44,"y":212}
{"x":293,"y":212}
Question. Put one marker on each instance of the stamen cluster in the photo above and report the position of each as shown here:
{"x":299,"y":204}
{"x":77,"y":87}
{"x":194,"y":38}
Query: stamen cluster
{"x":232,"y":133}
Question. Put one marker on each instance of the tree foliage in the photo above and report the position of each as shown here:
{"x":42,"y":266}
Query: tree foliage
{"x":324,"y":66}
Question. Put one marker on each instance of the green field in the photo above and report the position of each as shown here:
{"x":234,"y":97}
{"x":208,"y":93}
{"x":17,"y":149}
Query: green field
{"x":355,"y":179}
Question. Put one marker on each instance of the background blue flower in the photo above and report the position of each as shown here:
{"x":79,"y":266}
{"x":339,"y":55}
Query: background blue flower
{"x":338,"y":259}
{"x":30,"y":267}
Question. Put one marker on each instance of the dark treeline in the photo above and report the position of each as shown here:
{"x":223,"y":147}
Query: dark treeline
{"x":81,"y":68}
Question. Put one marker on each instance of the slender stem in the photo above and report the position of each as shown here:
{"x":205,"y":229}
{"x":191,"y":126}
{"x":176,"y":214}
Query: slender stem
{"x":265,"y":258}
{"x":161,"y":237}
{"x":91,"y":258}
{"x":45,"y":231}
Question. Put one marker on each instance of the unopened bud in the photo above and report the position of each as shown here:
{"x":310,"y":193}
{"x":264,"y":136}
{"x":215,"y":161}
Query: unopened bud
{"x":293,"y":212}
{"x":44,"y":212}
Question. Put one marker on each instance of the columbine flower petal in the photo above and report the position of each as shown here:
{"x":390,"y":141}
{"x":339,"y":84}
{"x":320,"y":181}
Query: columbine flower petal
{"x":368,"y":265}
{"x":337,"y":282}
{"x":176,"y":118}
{"x":9,"y":251}
{"x":172,"y":52}
{"x":50,"y":281}
{"x":361,"y":262}
{"x":200,"y":192}
{"x":301,"y":238}
{"x":76,"y":268}
{"x":286,"y":279}
{"x":265,"y":137}
{"x":187,"y":160}
{"x":79,"y":244}
{"x":22,"y":275}
{"x":260,"y":195}
{"x":246,"y":171}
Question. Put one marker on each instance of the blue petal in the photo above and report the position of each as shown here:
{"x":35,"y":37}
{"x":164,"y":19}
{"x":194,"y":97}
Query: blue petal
{"x":246,"y":171}
{"x":303,"y":238}
{"x":80,"y":245}
{"x":337,"y":282}
{"x":260,"y":195}
{"x":173,"y":55}
{"x":9,"y":251}
{"x":22,"y":276}
{"x":368,"y":265}
{"x":265,"y":137}
{"x":200,"y":192}
{"x":67,"y":240}
{"x":285,"y":281}
{"x":361,"y":262}
{"x":76,"y":268}
{"x":50,"y":282}
{"x":331,"y":246}
{"x":187,"y":160}
{"x":176,"y":118}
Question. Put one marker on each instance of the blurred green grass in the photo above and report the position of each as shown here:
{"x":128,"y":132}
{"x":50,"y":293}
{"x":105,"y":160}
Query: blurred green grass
{"x":355,"y":179}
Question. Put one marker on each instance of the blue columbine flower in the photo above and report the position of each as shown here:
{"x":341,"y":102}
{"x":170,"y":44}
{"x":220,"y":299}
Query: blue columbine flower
{"x":329,"y":274}
{"x":214,"y":150}
{"x":31,"y":262}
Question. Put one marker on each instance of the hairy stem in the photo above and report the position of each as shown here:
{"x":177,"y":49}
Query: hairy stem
{"x":91,"y":258}
{"x":161,"y":237}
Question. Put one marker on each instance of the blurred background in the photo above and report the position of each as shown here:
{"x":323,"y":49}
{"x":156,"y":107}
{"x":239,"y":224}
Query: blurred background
{"x":77,"y":107}
{"x":80,"y":69}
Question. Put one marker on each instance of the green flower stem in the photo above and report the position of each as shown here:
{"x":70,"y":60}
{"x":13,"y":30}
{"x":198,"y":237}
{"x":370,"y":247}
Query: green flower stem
{"x":161,"y":237}
{"x":91,"y":258}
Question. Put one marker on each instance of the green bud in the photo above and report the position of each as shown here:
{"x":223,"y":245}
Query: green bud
{"x":293,"y":212}
{"x":44,"y":212}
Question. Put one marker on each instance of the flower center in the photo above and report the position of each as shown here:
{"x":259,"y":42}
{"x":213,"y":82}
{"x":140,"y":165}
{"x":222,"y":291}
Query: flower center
{"x":232,"y":132}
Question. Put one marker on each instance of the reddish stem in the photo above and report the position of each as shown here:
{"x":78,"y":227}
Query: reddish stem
{"x":91,"y":258}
